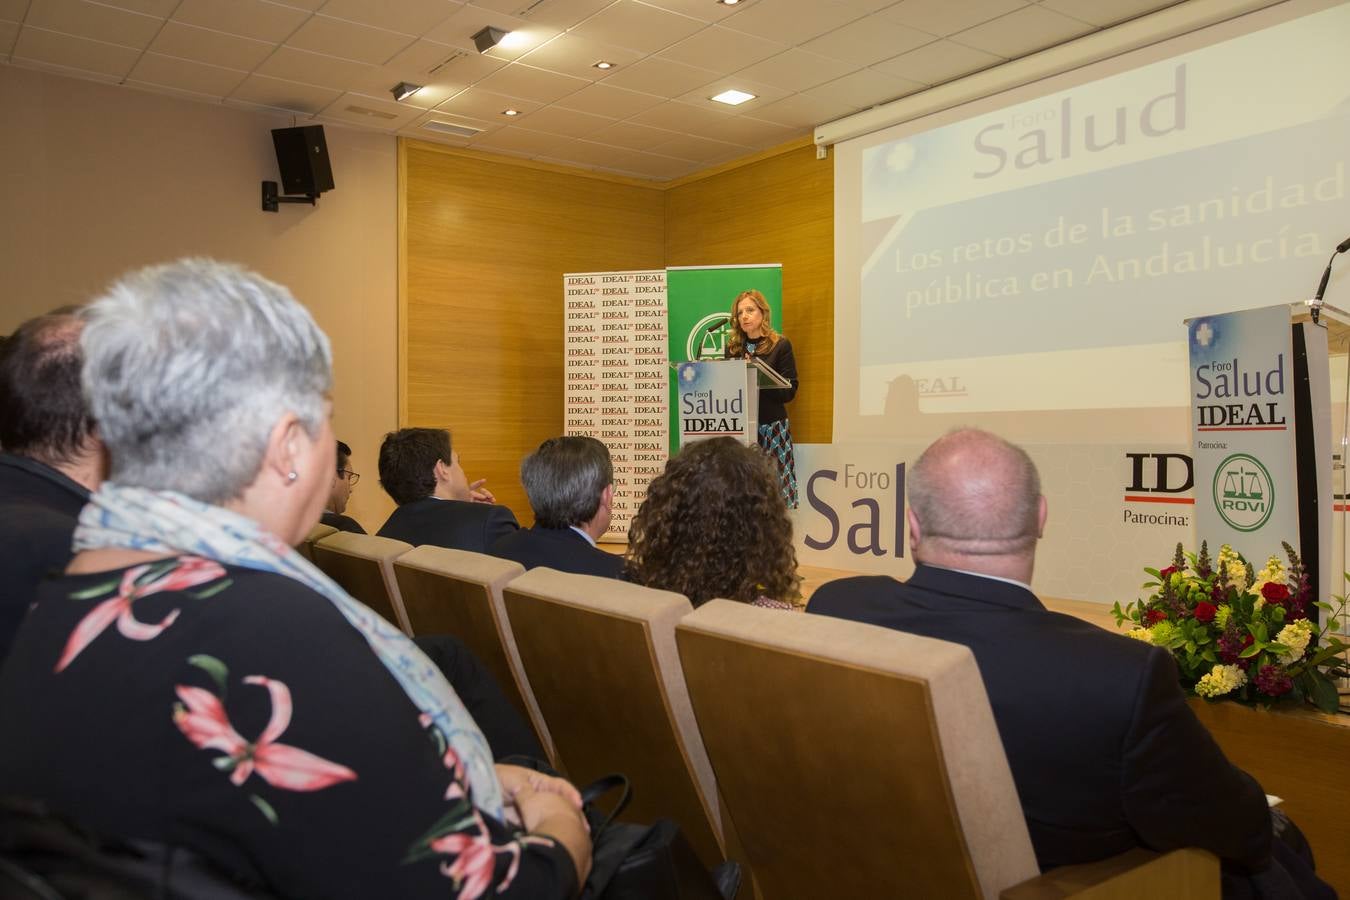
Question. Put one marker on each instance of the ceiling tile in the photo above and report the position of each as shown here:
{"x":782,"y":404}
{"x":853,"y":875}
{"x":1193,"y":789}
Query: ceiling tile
{"x":646,"y":165}
{"x":863,"y":89}
{"x":277,"y":93}
{"x":9,"y":33}
{"x":93,"y":21}
{"x":459,"y":29}
{"x":631,"y":24}
{"x":632,"y":136}
{"x":698,"y":149}
{"x":722,"y":50}
{"x":563,"y":14}
{"x":660,"y":76}
{"x":566,"y":122}
{"x":521,"y":140}
{"x":371,"y":112}
{"x":249,"y":18}
{"x":797,"y":25}
{"x":306,"y":5}
{"x":938,"y":62}
{"x":510,"y":7}
{"x":414,"y":65}
{"x":540,"y":85}
{"x":868,"y":41}
{"x":407,"y":16}
{"x":764,"y":94}
{"x":749,"y":132}
{"x":212,"y":47}
{"x":458,"y":67}
{"x":607,"y":100}
{"x":1022,"y":32}
{"x":572,"y":55}
{"x":801,"y":111}
{"x":703,"y":10}
{"x":200,"y":78}
{"x":42,"y":46}
{"x":347,"y":40}
{"x":797,"y":70}
{"x":13,"y":10}
{"x":675,"y":116}
{"x":943,"y":17}
{"x":290,"y":64}
{"x":160,"y":8}
{"x":482,"y":104}
{"x":1105,"y":12}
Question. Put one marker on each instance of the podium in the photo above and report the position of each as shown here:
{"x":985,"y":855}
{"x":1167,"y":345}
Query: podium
{"x":1260,"y":398}
{"x":720,"y":398}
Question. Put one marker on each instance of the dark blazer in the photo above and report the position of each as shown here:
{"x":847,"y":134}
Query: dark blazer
{"x":1105,"y":752}
{"x":341,"y":522}
{"x":39,"y":508}
{"x":773,"y":401}
{"x":558,"y":548}
{"x":457,"y":524}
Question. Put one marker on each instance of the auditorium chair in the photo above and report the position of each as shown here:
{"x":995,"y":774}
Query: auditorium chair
{"x":363,"y":565}
{"x":460,"y":593}
{"x":600,"y":655}
{"x":859,"y":761}
{"x":318,"y":532}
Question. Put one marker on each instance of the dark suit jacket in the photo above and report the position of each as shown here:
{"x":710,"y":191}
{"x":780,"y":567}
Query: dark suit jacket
{"x":39,"y":508}
{"x":1105,"y":752}
{"x":341,"y":522}
{"x":457,"y":524}
{"x":558,"y":548}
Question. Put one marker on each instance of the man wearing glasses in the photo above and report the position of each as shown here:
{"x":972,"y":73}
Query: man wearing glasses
{"x":343,"y":483}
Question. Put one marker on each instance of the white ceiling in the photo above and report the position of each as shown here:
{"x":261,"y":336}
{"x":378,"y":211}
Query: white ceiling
{"x":808,"y":62}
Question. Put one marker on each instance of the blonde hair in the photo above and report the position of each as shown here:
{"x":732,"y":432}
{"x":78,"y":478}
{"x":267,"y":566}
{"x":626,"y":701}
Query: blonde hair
{"x":736,"y":343}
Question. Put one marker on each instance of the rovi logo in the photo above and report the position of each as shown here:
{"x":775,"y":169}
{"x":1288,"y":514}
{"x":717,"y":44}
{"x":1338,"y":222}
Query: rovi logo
{"x":1244,"y":494}
{"x":708,"y":338}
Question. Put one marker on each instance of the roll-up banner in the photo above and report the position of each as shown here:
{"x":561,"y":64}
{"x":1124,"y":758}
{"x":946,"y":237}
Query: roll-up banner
{"x":699,"y":300}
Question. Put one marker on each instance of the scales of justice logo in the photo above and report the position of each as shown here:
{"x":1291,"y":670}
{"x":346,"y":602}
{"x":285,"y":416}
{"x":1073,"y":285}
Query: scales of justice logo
{"x":708,"y":338}
{"x":1244,"y":493}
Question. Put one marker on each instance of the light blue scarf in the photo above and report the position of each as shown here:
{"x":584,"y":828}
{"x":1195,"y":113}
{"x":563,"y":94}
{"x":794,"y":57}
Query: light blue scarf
{"x":173,"y":523}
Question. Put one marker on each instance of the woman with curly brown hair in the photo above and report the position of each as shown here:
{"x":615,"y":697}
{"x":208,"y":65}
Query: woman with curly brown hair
{"x":714,"y":524}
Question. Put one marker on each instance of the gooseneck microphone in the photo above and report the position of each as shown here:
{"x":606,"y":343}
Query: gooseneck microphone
{"x":1316,"y":303}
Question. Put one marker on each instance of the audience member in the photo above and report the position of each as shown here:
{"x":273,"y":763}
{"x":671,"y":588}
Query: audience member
{"x":1105,"y":752}
{"x":436,"y":503}
{"x":714,"y":524}
{"x":341,"y":492}
{"x":570,"y":483}
{"x":244,"y":706}
{"x":52,"y":458}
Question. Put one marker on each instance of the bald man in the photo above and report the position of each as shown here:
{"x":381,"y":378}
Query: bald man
{"x":1105,"y":752}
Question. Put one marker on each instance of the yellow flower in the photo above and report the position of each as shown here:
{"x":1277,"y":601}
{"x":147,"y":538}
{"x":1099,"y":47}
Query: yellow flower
{"x":1140,"y":634}
{"x":1273,"y":573}
{"x":1295,"y":636}
{"x":1220,"y":680}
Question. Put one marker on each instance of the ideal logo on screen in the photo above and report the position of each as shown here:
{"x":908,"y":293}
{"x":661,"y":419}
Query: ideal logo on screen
{"x":1052,"y":135}
{"x":869,"y":512}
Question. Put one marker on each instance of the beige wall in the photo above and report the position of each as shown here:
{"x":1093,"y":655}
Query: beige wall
{"x":96,"y":179}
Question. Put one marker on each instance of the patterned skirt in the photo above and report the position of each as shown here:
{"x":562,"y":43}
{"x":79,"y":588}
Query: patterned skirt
{"x":776,"y":439}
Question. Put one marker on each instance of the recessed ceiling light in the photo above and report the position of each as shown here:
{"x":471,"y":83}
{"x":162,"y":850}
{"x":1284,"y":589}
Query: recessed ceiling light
{"x":732,"y":97}
{"x":728,"y":2}
{"x":403,"y":90}
{"x":510,"y":112}
{"x":604,"y":64}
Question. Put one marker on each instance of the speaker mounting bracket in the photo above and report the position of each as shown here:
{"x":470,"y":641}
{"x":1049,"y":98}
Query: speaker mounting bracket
{"x":273,"y":198}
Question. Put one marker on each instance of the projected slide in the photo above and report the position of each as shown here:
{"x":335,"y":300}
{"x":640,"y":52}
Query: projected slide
{"x":1041,"y":257}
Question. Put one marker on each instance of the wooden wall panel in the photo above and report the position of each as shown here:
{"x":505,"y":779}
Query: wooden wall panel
{"x":485,"y":243}
{"x":777,"y":209}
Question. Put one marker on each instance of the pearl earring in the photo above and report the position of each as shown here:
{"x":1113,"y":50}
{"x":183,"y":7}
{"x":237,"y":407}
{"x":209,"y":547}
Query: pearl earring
{"x":292,"y":475}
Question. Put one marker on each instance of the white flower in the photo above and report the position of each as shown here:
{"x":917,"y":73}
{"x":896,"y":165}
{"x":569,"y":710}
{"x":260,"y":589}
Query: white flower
{"x":1295,"y":636}
{"x":1220,"y":680}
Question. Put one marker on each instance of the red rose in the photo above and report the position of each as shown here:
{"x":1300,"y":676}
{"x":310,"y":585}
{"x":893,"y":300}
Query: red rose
{"x":1154,"y":616}
{"x":1275,"y":593}
{"x":1167,"y":573}
{"x":1204,"y":612}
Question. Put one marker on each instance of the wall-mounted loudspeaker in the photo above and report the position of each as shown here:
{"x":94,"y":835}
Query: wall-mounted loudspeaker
{"x":302,"y":156}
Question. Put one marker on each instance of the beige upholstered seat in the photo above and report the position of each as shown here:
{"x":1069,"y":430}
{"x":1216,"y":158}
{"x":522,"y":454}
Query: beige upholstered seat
{"x":318,"y":532}
{"x":460,"y":593}
{"x":859,"y":761}
{"x":363,"y":565}
{"x":601,"y":658}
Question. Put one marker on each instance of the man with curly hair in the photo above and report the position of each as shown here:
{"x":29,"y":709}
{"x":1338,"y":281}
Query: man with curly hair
{"x":1105,"y":751}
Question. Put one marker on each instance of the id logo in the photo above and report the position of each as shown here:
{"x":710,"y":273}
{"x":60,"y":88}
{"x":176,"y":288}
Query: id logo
{"x":1244,"y":494}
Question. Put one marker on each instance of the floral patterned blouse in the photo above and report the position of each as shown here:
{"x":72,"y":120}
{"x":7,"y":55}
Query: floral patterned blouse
{"x":235,"y":712}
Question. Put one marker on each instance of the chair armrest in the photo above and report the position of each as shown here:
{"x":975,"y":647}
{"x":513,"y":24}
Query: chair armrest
{"x":1186,"y":873}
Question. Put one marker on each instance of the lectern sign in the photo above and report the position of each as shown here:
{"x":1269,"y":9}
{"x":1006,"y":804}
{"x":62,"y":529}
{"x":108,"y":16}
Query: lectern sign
{"x":712,"y":400}
{"x":1242,"y":421}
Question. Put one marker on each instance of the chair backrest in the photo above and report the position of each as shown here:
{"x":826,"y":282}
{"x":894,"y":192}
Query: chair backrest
{"x":363,"y":565}
{"x":460,"y":593}
{"x":600,"y":655}
{"x":318,"y":532}
{"x":834,"y":740}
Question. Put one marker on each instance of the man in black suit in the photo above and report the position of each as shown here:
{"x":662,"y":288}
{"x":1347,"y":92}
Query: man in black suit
{"x":341,"y":492}
{"x":570,"y":483}
{"x":1105,"y":752}
{"x":436,"y":503}
{"x":52,"y":458}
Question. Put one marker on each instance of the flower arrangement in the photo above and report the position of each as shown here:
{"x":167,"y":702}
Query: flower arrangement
{"x":1239,"y":633}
